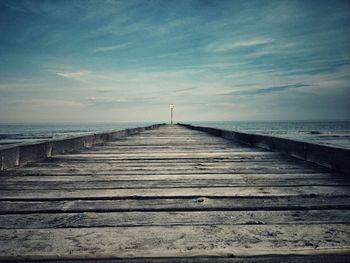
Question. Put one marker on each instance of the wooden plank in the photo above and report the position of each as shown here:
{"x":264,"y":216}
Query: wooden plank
{"x":117,"y":150}
{"x":240,"y":155}
{"x":237,"y":158}
{"x":170,"y":143}
{"x":169,"y":171}
{"x":165,"y":162}
{"x":177,"y":204}
{"x":167,"y":155}
{"x":175,"y":192}
{"x":185,"y":183}
{"x":164,"y":177}
{"x":172,"y":137}
{"x":150,"y":145}
{"x":316,"y":258}
{"x":161,"y":168}
{"x":175,"y":241}
{"x":69,"y":172}
{"x":202,"y":218}
{"x":212,"y":165}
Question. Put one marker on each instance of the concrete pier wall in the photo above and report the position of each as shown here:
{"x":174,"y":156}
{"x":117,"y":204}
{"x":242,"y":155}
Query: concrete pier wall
{"x":13,"y":156}
{"x":337,"y":159}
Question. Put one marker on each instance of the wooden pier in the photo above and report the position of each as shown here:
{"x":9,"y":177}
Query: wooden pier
{"x":174,"y":194}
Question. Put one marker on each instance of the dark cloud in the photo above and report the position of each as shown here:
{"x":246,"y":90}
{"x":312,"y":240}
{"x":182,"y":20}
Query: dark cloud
{"x":186,"y":89}
{"x":267,"y":90}
{"x":104,"y":91}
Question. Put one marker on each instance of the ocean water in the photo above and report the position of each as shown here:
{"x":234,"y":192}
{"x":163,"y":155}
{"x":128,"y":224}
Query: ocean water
{"x":336,"y":133}
{"x":22,"y":133}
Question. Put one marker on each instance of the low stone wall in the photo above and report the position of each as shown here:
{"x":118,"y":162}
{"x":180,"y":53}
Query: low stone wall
{"x":13,"y":156}
{"x":337,"y":159}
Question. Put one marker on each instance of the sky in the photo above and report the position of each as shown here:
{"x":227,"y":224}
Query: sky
{"x":216,"y":60}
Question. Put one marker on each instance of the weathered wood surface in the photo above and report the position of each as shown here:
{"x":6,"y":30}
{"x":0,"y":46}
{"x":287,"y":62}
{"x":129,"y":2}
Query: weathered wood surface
{"x":174,"y":194}
{"x":336,"y":158}
{"x":24,"y":153}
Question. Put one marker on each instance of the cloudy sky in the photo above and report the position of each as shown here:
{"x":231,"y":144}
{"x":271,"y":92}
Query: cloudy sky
{"x":102,"y":61}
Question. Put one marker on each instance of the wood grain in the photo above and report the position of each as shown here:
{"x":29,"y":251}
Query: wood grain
{"x":174,"y":194}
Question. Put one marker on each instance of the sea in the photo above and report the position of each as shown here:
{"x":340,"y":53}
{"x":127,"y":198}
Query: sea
{"x":334,"y":133}
{"x":19,"y":133}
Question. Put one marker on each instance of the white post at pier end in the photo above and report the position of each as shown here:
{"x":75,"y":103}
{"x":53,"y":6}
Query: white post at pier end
{"x":171,"y":113}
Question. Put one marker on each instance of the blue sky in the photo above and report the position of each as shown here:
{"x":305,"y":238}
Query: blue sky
{"x":102,"y":61}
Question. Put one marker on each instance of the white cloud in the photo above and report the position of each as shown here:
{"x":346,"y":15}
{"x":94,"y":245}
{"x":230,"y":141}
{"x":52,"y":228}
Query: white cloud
{"x":77,"y":75}
{"x":40,"y":104}
{"x":110,"y":48}
{"x":85,"y":76}
{"x":229,"y":44}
